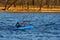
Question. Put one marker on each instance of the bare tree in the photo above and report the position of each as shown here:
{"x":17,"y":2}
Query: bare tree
{"x":47,"y":3}
{"x":13,"y":3}
{"x":6,"y":4}
{"x":32,"y":2}
{"x":27,"y":5}
{"x":41,"y":2}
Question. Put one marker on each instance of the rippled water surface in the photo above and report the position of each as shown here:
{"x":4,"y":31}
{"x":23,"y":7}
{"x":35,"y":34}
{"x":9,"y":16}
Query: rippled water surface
{"x":47,"y":26}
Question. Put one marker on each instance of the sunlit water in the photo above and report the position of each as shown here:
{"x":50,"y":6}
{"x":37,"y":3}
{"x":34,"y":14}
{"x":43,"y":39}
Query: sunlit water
{"x":47,"y":26}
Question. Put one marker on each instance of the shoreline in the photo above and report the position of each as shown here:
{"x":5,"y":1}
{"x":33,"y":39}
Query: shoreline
{"x":31,"y":9}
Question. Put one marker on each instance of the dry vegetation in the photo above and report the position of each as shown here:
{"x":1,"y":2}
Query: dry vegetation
{"x":30,"y":5}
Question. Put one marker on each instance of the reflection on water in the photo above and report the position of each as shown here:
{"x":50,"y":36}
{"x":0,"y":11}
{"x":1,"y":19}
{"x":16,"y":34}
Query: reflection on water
{"x":47,"y":26}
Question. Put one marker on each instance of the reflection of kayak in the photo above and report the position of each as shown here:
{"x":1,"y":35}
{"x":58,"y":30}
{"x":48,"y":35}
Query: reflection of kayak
{"x":22,"y":28}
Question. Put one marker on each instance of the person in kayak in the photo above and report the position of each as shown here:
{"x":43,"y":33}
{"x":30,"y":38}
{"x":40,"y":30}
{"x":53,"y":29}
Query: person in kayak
{"x":24,"y":21}
{"x":18,"y":25}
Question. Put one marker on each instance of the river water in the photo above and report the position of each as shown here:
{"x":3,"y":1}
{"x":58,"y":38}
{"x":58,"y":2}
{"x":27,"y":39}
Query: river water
{"x":47,"y":25}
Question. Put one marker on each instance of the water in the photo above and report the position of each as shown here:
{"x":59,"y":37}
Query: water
{"x":47,"y":26}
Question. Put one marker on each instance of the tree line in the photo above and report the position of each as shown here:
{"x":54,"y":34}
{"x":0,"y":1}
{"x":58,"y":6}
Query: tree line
{"x":39,"y":3}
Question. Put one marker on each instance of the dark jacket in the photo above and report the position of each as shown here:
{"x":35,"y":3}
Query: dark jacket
{"x":18,"y":25}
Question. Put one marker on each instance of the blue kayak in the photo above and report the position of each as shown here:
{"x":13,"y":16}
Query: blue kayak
{"x":22,"y":28}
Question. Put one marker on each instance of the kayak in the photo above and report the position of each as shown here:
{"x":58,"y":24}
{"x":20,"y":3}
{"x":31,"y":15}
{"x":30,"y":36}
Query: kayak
{"x":22,"y":28}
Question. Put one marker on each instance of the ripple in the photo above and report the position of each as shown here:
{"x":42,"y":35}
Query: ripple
{"x":51,"y":31}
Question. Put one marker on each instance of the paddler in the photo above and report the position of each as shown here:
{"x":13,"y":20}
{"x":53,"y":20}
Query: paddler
{"x":18,"y":25}
{"x":24,"y":21}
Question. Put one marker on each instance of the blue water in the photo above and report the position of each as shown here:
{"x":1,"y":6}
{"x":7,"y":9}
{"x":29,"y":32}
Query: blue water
{"x":47,"y":26}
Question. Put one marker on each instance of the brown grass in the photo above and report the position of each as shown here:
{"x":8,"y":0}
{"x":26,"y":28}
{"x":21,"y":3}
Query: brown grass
{"x":31,"y":9}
